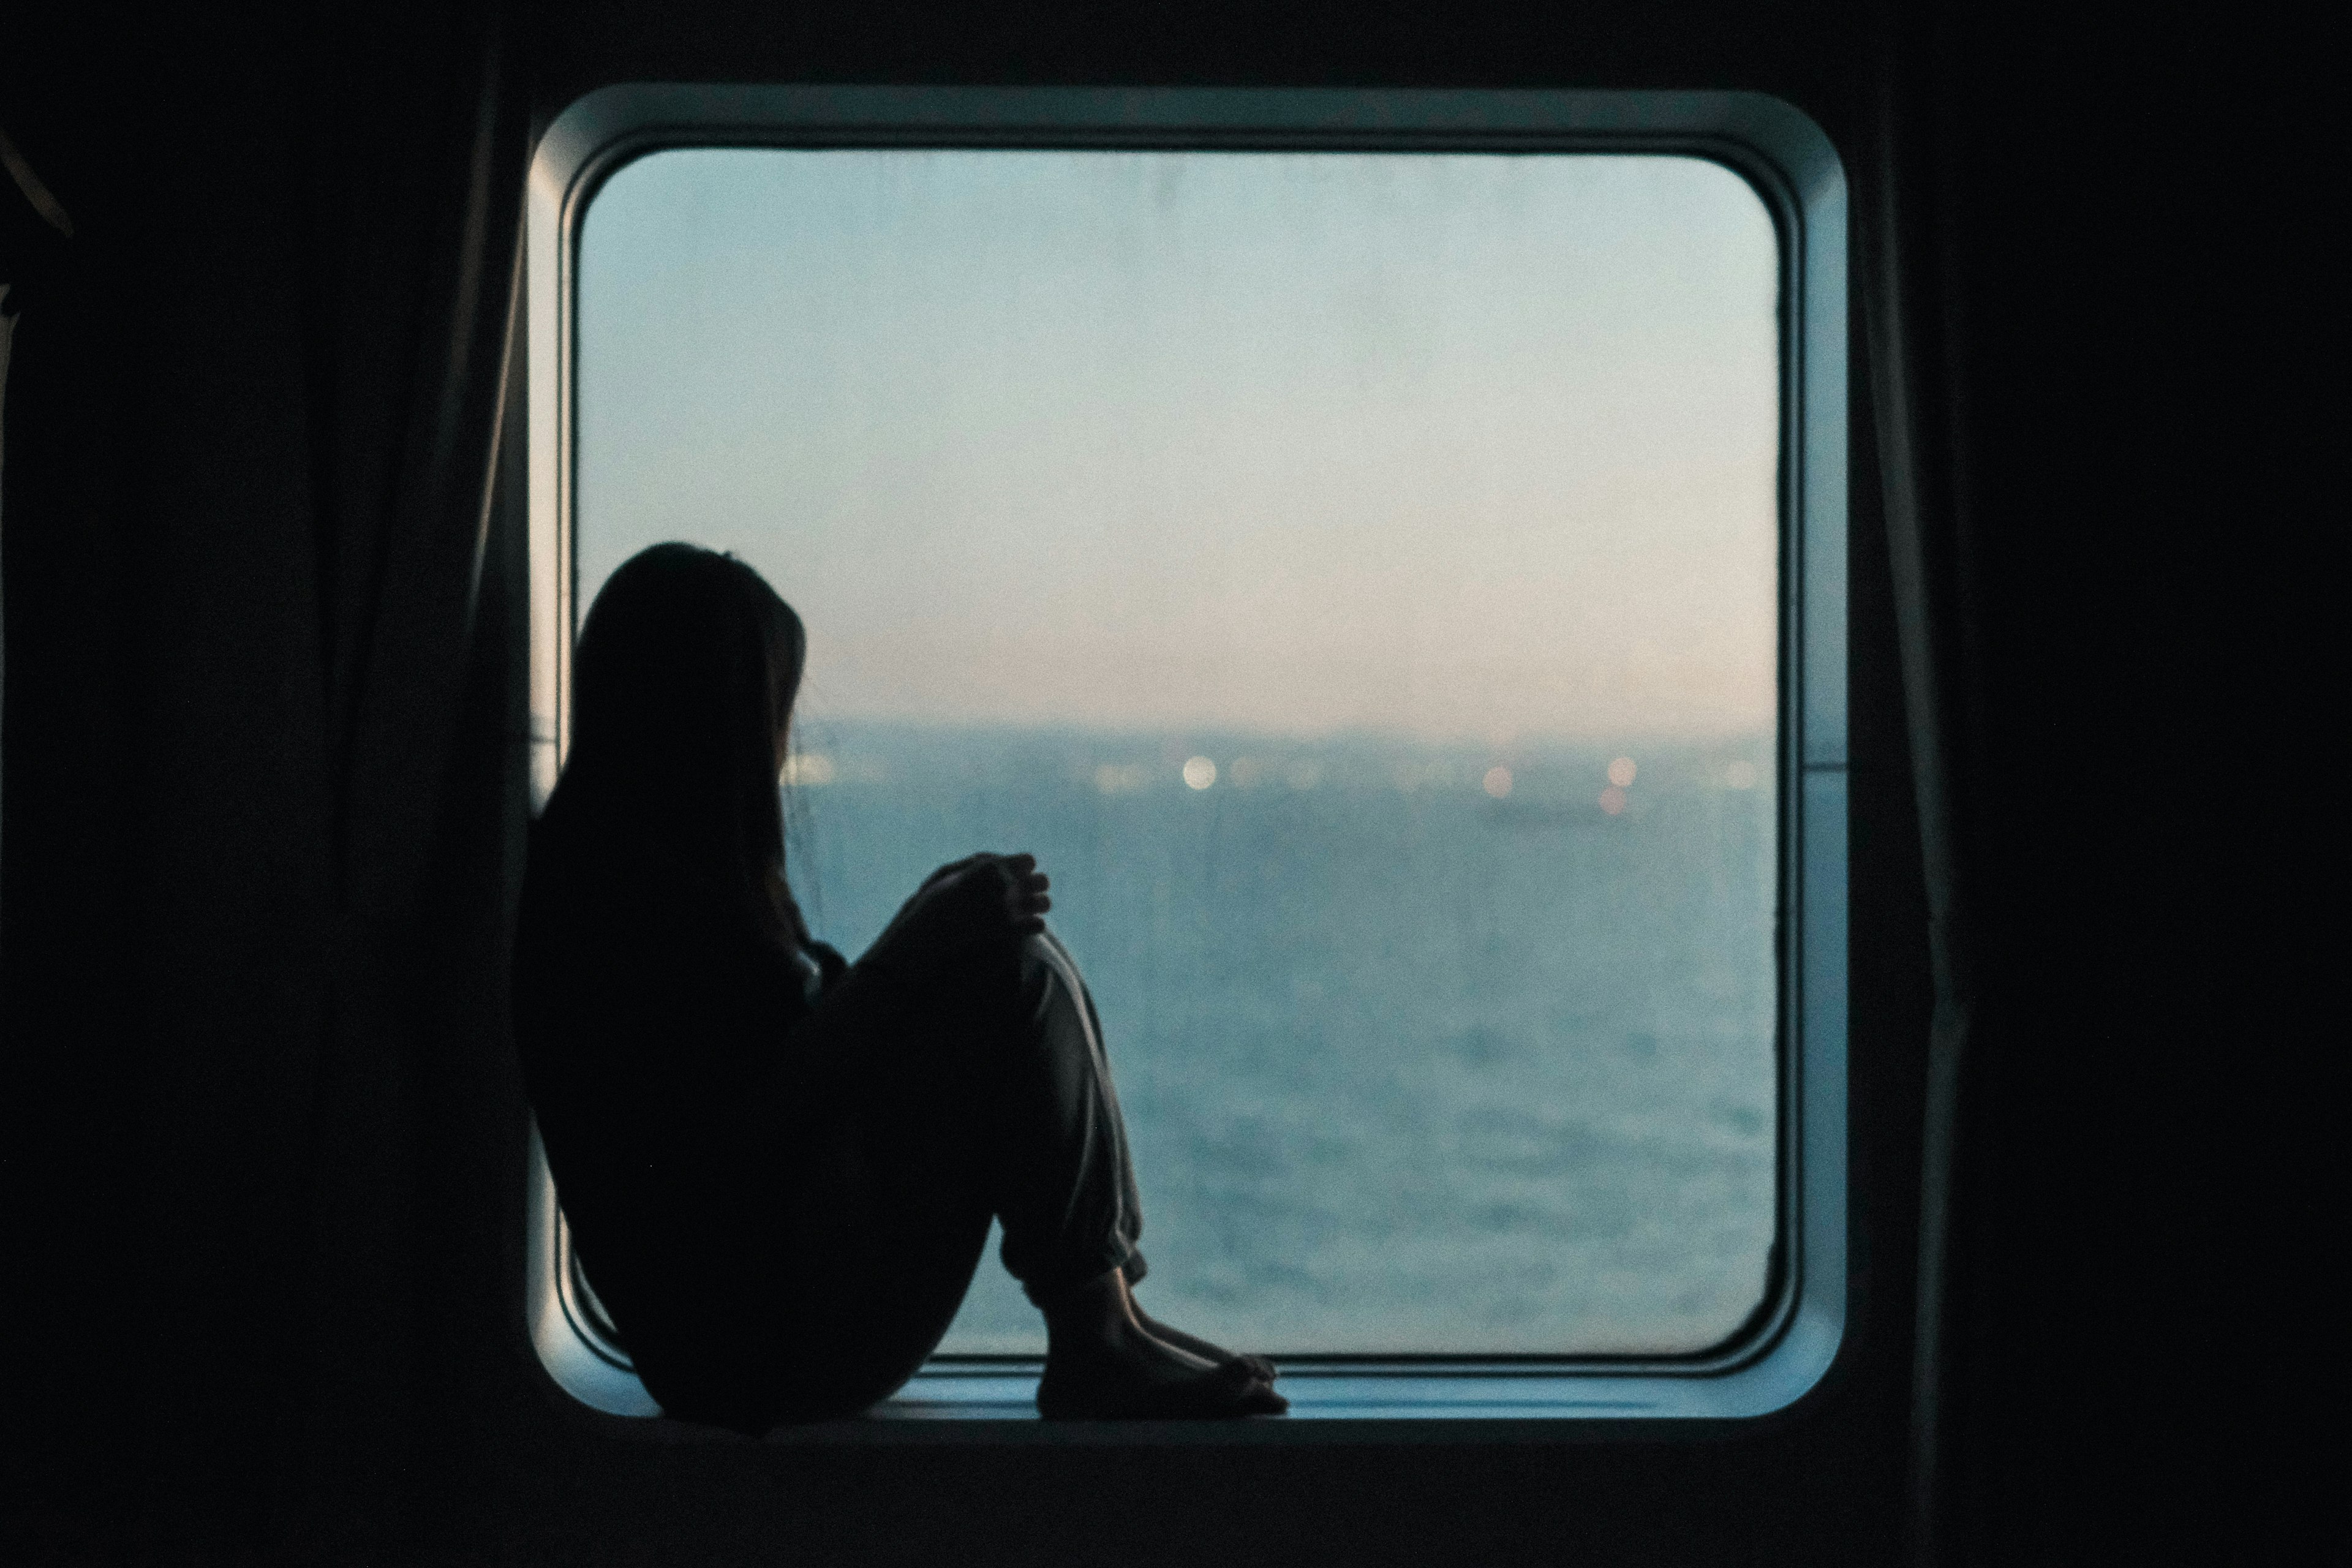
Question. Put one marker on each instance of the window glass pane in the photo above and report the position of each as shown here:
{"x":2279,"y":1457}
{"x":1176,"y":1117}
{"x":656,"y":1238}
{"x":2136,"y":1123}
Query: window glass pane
{"x":1355,"y":577}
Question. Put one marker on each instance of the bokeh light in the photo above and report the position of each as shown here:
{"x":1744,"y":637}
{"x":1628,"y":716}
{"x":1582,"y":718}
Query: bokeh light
{"x":1116,"y":778}
{"x":1612,"y":799}
{"x":1498,"y":782}
{"x":1199,"y":772}
{"x":1621,"y":773}
{"x":808,"y":768}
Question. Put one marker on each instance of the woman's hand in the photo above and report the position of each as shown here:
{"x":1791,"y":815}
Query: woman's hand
{"x":972,"y":902}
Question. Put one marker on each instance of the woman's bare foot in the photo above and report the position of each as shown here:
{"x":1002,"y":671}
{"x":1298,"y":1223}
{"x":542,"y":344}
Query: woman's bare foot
{"x":1215,"y":1354}
{"x":1102,"y":1363}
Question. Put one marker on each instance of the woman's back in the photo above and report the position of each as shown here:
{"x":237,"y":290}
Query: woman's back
{"x":652,"y":1036}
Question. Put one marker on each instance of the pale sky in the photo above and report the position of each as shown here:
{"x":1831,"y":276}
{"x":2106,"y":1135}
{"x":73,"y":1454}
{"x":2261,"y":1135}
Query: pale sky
{"x":1451,"y":446}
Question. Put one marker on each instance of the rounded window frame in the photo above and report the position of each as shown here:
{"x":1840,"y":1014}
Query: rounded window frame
{"x":1789,"y":1344}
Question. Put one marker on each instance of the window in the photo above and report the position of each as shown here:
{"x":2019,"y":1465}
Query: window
{"x":1383,"y":553}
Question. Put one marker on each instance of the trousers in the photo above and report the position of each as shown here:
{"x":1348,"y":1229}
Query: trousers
{"x":955,"y":1090}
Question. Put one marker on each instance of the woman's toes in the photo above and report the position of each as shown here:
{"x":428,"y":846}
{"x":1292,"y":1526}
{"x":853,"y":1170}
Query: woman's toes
{"x":1108,"y":1394}
{"x":1214,"y":1354}
{"x":1262,"y":1400}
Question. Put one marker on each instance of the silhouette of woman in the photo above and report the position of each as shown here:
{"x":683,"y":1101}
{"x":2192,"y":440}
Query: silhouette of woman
{"x":780,"y":1167}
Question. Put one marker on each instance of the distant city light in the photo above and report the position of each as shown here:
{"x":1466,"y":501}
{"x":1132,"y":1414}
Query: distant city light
{"x":1612,"y":799}
{"x":1411,"y":776}
{"x":1112,"y":778}
{"x":1498,"y":782}
{"x":1740,"y":775}
{"x":1620,"y":771}
{"x":808,"y":768}
{"x":1199,"y":772}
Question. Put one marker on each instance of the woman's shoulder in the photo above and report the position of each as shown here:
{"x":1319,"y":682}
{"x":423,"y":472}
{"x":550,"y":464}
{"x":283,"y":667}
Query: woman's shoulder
{"x":595,"y":858}
{"x":601,"y":913}
{"x":611,"y":913}
{"x":570,"y":875}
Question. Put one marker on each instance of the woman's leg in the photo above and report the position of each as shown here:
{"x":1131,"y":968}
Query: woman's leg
{"x":952,"y":1091}
{"x":1067,"y":1198}
{"x":1068,"y":1021}
{"x":1063,"y":1181}
{"x":981,"y":1086}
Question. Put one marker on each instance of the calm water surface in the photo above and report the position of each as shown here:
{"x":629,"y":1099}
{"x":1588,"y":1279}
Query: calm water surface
{"x":1408,"y":1066}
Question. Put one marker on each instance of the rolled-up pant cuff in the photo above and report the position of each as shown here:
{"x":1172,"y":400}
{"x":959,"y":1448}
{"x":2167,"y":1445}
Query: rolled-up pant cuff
{"x":1044,"y":1288}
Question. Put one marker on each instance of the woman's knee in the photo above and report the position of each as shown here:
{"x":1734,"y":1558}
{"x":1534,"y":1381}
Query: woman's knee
{"x":1046,"y":948}
{"x":1049,"y":977}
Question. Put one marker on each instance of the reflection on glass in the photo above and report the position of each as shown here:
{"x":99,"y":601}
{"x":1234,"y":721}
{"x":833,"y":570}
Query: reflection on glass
{"x":1354,"y":577}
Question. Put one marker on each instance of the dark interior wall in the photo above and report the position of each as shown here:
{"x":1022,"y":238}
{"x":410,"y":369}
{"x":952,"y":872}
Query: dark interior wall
{"x":217,"y":1373}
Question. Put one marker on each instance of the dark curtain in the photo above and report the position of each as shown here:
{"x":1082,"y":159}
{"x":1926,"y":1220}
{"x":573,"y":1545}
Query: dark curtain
{"x":414,"y":265}
{"x":2086,"y":267}
{"x":255,"y":408}
{"x":1899,"y":285}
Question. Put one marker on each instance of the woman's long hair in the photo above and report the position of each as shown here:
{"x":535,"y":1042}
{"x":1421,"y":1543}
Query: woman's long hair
{"x":682,"y":685}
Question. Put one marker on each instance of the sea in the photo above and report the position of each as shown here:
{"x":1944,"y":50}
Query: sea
{"x":1425,"y":1048}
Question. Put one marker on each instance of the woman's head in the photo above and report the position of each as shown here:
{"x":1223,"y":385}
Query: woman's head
{"x":681,"y":694}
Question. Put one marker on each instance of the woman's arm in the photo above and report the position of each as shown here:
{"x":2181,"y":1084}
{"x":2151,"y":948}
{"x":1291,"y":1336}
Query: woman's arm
{"x":969,"y":904}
